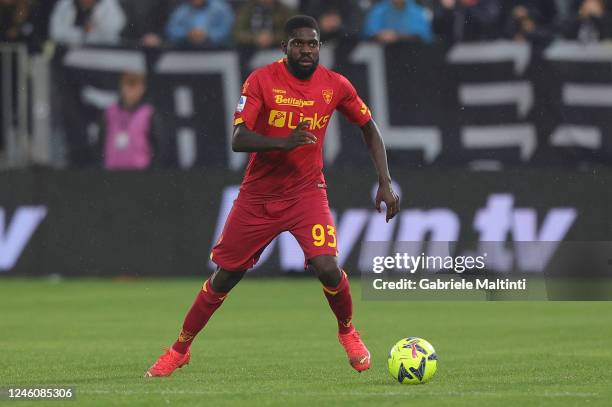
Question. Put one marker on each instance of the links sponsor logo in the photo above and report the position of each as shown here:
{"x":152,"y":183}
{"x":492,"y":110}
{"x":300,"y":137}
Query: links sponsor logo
{"x":295,"y":102}
{"x":282,"y":119}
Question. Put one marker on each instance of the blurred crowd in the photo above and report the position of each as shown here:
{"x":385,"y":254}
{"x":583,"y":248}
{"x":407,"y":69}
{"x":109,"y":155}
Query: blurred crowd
{"x":259,"y":23}
{"x":131,"y":131}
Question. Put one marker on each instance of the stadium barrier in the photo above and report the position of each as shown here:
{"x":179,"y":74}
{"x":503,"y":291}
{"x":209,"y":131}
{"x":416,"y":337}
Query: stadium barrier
{"x":164,"y":223}
{"x":484,"y":105}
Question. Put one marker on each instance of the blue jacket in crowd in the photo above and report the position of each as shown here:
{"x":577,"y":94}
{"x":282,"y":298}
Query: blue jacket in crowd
{"x":216,"y":18}
{"x":411,"y":20}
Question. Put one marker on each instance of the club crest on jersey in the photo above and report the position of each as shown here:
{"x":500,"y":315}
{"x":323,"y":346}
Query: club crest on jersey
{"x":241,"y":103}
{"x":328,"y":94}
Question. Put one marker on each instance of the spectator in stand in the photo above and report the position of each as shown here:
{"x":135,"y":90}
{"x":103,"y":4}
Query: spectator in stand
{"x":337,"y":18}
{"x":467,"y":20}
{"x":592,"y":23}
{"x":564,"y":10}
{"x":146,"y":21}
{"x":15,"y":22}
{"x":261,"y":23}
{"x":131,"y":129}
{"x":395,"y":20}
{"x":531,"y":20}
{"x":201,"y":23}
{"x":87,"y":21}
{"x":41,"y":10}
{"x":14,"y":26}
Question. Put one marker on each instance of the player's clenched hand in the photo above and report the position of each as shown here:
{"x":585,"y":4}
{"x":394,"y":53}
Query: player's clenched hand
{"x":299,"y":137}
{"x":387,"y":195}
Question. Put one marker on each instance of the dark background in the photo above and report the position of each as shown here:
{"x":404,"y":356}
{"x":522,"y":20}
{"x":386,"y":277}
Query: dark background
{"x":162,"y":222}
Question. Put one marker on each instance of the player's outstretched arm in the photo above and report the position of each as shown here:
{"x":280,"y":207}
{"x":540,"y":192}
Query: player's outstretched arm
{"x":247,"y":141}
{"x":376,"y":146}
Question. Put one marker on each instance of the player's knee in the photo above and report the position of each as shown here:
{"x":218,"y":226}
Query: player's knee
{"x":223,"y":281}
{"x":327,"y":270}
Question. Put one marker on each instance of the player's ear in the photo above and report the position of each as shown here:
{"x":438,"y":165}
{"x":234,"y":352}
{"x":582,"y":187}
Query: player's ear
{"x":284,"y":47}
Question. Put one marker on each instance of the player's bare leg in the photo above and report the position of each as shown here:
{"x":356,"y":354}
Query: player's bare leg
{"x":338,"y":293}
{"x":223,"y":281}
{"x":208,"y":300}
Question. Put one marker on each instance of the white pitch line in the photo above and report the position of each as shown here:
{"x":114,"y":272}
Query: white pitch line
{"x":356,"y":394}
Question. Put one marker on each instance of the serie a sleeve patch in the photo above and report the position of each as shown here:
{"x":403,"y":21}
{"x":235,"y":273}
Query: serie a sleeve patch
{"x":241,"y":103}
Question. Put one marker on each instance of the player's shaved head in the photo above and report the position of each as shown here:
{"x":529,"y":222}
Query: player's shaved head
{"x":300,"y":21}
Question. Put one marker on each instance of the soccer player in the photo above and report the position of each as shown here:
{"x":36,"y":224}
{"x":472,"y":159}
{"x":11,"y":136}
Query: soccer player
{"x":280,"y":120}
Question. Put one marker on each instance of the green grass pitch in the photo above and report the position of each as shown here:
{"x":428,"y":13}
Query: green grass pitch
{"x":273,"y":343}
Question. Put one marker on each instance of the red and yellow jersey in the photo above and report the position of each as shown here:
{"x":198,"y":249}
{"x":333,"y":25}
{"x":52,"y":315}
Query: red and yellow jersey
{"x":272,"y":103}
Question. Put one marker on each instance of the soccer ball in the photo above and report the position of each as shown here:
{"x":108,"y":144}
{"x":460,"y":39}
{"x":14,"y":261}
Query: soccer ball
{"x":413,"y":361}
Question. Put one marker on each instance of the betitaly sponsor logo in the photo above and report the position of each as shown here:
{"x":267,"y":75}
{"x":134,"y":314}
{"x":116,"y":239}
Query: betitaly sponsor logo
{"x":290,"y":101}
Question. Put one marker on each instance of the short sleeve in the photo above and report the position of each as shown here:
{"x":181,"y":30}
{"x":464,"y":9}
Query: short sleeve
{"x":250,"y":102}
{"x":351,"y":105}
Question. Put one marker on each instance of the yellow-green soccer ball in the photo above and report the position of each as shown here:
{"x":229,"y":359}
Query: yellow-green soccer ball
{"x":413,"y":361}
